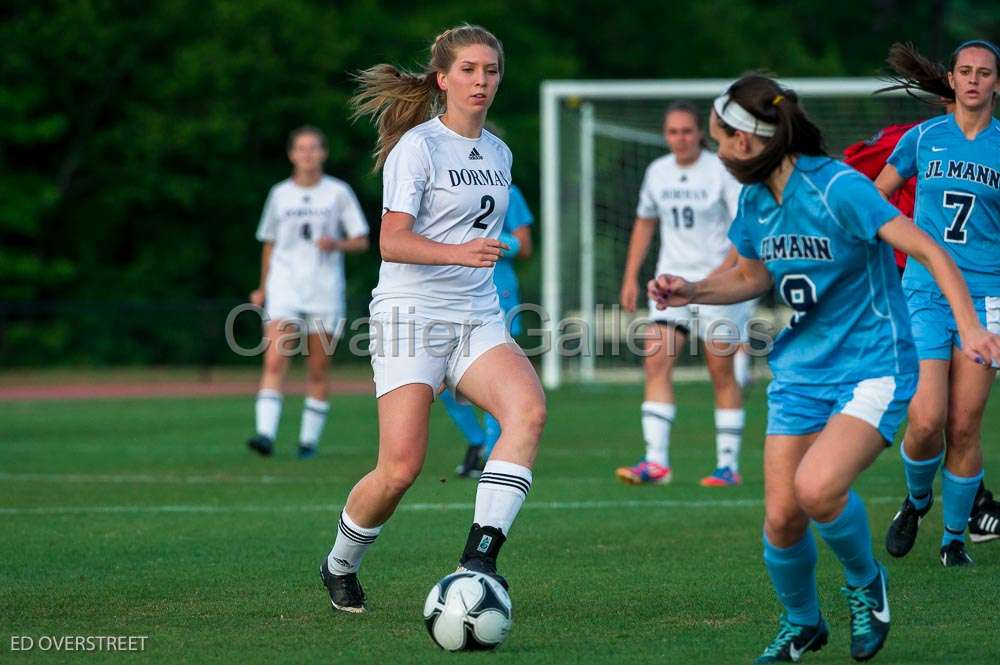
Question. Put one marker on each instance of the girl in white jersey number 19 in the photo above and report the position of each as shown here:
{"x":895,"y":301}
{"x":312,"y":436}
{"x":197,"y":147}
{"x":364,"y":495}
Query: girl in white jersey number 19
{"x":693,"y":199}
{"x":436,"y":316}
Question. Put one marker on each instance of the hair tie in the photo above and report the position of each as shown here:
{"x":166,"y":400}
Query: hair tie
{"x":777,"y":100}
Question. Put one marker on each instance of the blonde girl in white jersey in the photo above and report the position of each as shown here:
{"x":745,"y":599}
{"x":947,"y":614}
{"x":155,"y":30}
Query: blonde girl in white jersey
{"x":693,"y":199}
{"x":436,"y":318}
{"x":310,"y":221}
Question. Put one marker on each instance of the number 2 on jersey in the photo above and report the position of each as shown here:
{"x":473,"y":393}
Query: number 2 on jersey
{"x":799,"y":292}
{"x":963,"y":203}
{"x":488,"y":204}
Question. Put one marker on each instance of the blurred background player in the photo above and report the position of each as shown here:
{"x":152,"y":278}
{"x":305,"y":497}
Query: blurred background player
{"x":309,"y":221}
{"x":516,"y":235}
{"x":692,"y":197}
{"x":956,"y":160}
{"x":435,"y":313}
{"x":844,"y":368}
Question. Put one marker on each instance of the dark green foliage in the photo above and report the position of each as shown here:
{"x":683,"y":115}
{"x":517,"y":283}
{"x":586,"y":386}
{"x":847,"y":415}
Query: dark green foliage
{"x":138,"y":140}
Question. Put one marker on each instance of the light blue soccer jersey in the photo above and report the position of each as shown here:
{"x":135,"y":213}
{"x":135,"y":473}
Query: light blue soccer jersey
{"x":504,"y":277}
{"x":958,"y":199}
{"x":829,"y":266}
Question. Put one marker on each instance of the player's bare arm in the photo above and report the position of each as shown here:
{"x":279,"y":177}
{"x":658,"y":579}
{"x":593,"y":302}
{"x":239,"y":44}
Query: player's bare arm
{"x":747,"y":280}
{"x":399,"y":244}
{"x":977,"y":344}
{"x":638,"y":245}
{"x":888,"y":181}
{"x":257,"y":295}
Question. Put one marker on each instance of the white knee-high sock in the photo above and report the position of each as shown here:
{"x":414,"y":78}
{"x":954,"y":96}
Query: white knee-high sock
{"x":313,"y":417}
{"x":350,"y":547}
{"x":268,"y":412}
{"x":657,"y":417}
{"x":502,"y":489}
{"x":728,"y":435}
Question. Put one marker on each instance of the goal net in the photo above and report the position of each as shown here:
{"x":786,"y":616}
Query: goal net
{"x":597,"y":139}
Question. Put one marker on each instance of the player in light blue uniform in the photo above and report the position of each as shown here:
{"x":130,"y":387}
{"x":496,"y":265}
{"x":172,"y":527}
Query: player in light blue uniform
{"x":516,"y":235}
{"x":956,"y":159}
{"x":844,"y":368}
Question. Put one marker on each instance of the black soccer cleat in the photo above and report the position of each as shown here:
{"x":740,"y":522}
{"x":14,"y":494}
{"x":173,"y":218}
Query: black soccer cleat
{"x":261,"y":445}
{"x":481,"y":550}
{"x":954,"y":554}
{"x":793,"y":641}
{"x":902,"y":533}
{"x":472,"y":465}
{"x":869,"y":606}
{"x":984,"y":523}
{"x":345,"y":591}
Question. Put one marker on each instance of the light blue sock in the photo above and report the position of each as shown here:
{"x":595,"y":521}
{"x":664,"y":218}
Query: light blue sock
{"x":793,"y":574}
{"x":851,"y":540}
{"x":492,"y":433}
{"x":957,"y":496}
{"x":465,"y":418}
{"x":920,"y":477}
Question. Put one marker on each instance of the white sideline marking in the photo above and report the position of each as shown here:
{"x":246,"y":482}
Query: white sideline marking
{"x":412,"y":507}
{"x":150,"y":478}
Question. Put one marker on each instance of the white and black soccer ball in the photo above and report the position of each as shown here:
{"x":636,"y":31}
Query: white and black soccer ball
{"x":468,"y":611}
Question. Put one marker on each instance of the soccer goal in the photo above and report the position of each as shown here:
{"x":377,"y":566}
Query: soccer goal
{"x":597,"y":139}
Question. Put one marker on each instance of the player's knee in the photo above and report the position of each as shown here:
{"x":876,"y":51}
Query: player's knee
{"x":784,"y":526}
{"x":397,"y":478}
{"x":528,"y":417}
{"x":963,"y":432}
{"x":814,"y":497}
{"x":274,"y":364}
{"x":924,"y":426}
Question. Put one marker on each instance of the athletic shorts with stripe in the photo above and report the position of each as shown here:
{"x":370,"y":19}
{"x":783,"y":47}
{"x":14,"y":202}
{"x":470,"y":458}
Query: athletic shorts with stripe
{"x":802,"y":408}
{"x":934,"y":329}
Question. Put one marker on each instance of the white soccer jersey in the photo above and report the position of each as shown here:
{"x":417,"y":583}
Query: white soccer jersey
{"x":695,"y":205}
{"x":456,"y":189}
{"x":301,"y":277}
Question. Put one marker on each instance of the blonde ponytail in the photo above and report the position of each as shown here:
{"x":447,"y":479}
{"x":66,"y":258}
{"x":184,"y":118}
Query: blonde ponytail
{"x":398,"y":100}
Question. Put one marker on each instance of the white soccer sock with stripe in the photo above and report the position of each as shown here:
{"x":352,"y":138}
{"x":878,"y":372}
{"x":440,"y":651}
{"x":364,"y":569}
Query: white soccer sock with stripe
{"x":728,"y":435}
{"x":268,"y":412}
{"x":502,"y":489}
{"x":657,"y":417}
{"x":313,"y":417}
{"x":350,"y":547}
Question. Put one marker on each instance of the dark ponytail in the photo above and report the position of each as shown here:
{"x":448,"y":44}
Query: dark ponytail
{"x":915,"y":73}
{"x":794,"y":134}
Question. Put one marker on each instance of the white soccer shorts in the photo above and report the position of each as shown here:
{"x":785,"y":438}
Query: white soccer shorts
{"x":418,"y":350}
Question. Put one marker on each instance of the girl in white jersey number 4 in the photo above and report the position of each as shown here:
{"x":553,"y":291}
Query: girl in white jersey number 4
{"x":310,"y":221}
{"x":436,"y":316}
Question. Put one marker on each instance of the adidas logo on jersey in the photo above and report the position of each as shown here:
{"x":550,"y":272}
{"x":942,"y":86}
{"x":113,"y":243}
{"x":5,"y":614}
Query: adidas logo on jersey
{"x":475,"y":154}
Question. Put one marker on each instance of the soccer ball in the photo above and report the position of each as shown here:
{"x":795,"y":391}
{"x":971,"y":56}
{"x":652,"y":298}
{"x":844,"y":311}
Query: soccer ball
{"x":467,"y":611}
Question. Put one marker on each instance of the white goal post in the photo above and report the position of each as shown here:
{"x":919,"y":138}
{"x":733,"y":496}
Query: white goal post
{"x":576,"y":115}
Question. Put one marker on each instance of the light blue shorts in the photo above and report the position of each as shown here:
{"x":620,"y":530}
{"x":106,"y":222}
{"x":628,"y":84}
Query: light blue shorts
{"x":933,"y":324}
{"x":795,"y":409}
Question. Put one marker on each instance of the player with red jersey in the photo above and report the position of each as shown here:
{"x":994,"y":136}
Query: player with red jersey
{"x":870,"y":156}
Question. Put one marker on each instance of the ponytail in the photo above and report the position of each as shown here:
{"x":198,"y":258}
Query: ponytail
{"x":914,"y":73}
{"x":771,"y":105}
{"x":398,"y":100}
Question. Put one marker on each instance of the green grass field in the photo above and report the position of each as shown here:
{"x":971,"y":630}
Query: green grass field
{"x":151,"y":518}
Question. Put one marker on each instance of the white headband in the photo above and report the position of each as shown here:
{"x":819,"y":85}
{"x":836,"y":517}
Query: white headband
{"x":737,"y":117}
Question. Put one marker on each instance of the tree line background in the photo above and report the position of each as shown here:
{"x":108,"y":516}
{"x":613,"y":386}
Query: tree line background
{"x":138,"y":140}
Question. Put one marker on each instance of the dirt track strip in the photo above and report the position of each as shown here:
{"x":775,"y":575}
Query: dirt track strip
{"x":165,"y":389}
